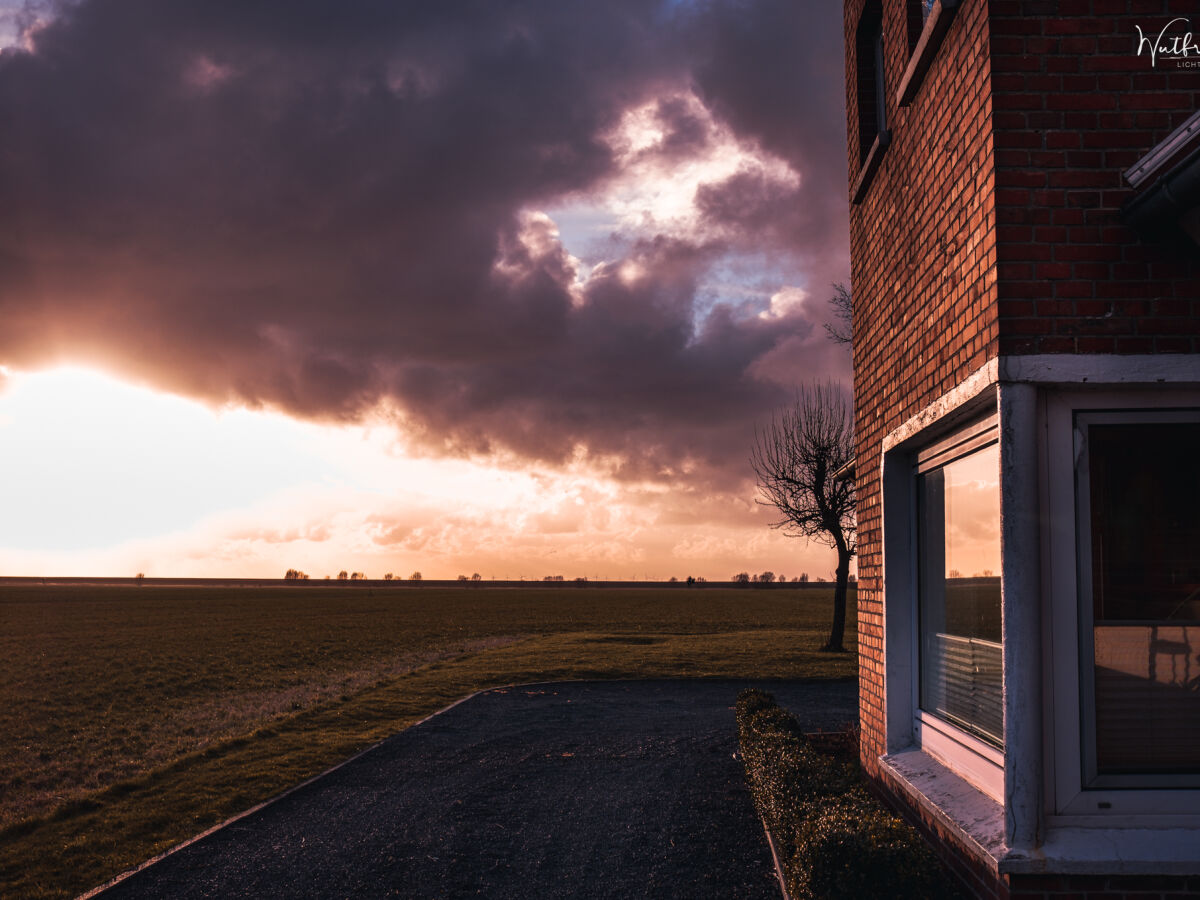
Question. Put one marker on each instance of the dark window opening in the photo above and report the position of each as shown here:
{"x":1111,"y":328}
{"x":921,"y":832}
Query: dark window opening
{"x":918,"y":12}
{"x":1142,"y":526}
{"x":872,"y":105}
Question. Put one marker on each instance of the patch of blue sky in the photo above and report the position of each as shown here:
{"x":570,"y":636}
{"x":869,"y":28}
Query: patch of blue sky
{"x":746,"y":282}
{"x":590,"y":233}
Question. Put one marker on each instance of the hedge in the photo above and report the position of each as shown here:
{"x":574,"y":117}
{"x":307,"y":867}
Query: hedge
{"x":834,"y":840}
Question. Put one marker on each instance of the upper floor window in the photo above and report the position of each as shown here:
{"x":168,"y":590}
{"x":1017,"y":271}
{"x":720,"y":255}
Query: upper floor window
{"x":873,"y":134}
{"x":872,"y":106}
{"x":918,"y":13}
{"x":928,"y":21}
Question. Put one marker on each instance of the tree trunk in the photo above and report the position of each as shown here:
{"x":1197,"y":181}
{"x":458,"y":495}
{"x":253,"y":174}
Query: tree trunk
{"x":838,"y":631}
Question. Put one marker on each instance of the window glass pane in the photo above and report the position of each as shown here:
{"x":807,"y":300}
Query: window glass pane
{"x":959,"y":572}
{"x":1144,"y":482}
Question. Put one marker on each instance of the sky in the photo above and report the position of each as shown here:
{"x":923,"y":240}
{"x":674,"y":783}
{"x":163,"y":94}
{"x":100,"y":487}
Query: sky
{"x":449,"y":287}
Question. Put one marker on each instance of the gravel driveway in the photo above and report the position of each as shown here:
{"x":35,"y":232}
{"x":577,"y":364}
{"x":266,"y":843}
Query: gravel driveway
{"x":579,"y":790}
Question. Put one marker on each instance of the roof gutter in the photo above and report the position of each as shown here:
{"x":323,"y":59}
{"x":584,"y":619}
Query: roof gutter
{"x":1170,"y":201}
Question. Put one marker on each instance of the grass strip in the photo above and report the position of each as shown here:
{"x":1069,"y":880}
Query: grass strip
{"x":88,"y":841}
{"x":832,"y":837}
{"x":102,"y":684}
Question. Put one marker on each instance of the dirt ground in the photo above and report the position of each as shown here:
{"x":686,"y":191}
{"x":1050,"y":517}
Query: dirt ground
{"x":572,"y":790}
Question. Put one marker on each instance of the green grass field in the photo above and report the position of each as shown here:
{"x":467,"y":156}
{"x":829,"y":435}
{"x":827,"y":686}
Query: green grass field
{"x":134,"y":717}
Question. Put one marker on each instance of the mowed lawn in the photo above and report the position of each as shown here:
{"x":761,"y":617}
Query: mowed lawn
{"x":134,"y":717}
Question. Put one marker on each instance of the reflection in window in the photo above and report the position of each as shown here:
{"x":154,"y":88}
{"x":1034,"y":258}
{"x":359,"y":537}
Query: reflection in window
{"x":1143,"y":483}
{"x":958,"y":569}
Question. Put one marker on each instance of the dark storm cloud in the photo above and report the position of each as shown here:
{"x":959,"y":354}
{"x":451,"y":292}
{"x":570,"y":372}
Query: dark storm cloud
{"x":774,"y":72}
{"x":320,"y":206}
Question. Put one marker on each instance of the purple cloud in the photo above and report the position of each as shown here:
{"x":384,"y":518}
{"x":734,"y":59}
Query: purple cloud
{"x":324,"y":207}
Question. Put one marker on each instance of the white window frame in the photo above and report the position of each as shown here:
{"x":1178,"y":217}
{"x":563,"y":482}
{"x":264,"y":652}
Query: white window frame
{"x":955,"y":432}
{"x":1069,"y":802}
{"x":1021,"y":829}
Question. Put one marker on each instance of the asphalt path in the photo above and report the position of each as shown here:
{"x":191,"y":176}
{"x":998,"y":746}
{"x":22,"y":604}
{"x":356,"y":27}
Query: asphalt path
{"x":579,"y":790}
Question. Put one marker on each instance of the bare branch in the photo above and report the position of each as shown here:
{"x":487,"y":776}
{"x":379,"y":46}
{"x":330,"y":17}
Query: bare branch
{"x":801,"y":463}
{"x":841,"y":330}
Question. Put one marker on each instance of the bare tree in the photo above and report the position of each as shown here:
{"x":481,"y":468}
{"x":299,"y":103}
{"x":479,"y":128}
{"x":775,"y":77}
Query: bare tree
{"x":841,"y":329}
{"x":804,"y":465}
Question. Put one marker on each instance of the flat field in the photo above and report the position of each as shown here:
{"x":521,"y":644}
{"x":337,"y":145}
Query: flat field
{"x":134,"y":717}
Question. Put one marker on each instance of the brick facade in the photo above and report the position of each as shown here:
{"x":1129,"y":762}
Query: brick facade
{"x":923,"y":256}
{"x":992,"y":228}
{"x":1073,"y":108}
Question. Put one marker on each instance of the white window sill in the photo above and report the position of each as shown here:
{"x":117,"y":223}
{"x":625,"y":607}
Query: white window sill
{"x":977,"y":821}
{"x":980,"y":765}
{"x":1112,"y":851}
{"x":965,"y":811}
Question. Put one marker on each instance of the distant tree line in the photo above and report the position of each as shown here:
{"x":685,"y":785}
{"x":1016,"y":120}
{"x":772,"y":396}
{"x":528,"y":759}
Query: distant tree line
{"x":741,"y":578}
{"x":769,"y":577}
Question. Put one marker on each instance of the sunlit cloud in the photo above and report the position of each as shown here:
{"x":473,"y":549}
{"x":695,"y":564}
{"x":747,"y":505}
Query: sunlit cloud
{"x":20,"y":20}
{"x":784,"y":301}
{"x":665,"y":151}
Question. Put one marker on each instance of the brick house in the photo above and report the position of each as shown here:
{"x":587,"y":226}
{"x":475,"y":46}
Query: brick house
{"x":1025,"y":247}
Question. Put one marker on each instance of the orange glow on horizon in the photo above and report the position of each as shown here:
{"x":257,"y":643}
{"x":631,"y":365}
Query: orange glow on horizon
{"x":107,"y":479}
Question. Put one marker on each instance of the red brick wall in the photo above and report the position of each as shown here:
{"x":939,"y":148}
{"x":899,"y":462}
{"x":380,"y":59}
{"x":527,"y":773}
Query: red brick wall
{"x":922,"y":245}
{"x":1074,"y":107}
{"x":1103,"y":887}
{"x":992,"y":226}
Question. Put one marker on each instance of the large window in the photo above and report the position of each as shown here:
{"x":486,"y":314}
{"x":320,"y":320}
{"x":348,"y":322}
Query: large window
{"x":1123,"y":567}
{"x":942,"y":575}
{"x":1138,"y":526}
{"x":958,"y":573}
